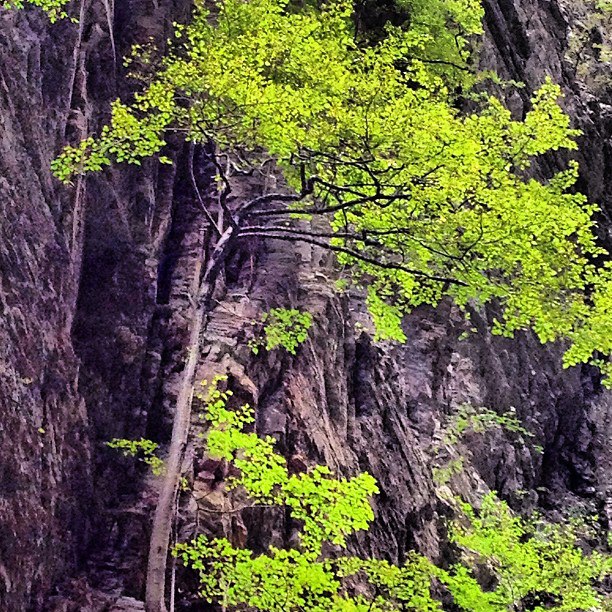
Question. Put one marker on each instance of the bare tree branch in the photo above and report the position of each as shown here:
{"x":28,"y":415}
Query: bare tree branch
{"x":363,"y":237}
{"x":385,"y":265}
{"x":225,"y":192}
{"x":196,"y":190}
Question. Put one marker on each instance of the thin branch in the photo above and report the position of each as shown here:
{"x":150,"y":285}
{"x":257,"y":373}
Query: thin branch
{"x":342,"y":205}
{"x":199,"y":195}
{"x":245,"y":211}
{"x":385,"y":265}
{"x":233,"y":510}
{"x":443,"y":62}
{"x":475,"y":242}
{"x":362,"y":237}
{"x":225,"y":192}
{"x":378,"y":199}
{"x":304,"y":232}
{"x":307,"y":189}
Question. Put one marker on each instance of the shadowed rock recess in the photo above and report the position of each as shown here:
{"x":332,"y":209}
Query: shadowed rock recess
{"x":94,"y":282}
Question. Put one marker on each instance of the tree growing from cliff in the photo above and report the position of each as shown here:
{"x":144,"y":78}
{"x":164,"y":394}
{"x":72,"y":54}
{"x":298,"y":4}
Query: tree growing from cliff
{"x":418,"y":200}
{"x":422,"y":201}
{"x":535,"y":564}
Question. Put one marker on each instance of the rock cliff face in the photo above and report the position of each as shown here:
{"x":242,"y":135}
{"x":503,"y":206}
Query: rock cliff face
{"x":46,"y":483}
{"x":93,"y":294}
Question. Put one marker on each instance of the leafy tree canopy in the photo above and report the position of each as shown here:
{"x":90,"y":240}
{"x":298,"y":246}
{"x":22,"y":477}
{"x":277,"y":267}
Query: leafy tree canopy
{"x":422,"y":200}
{"x":536,"y":563}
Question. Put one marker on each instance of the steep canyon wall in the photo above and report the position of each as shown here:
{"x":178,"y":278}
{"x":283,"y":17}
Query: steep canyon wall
{"x":94,"y":282}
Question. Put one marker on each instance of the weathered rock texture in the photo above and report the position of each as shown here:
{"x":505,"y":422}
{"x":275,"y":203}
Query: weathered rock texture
{"x":93,"y":290}
{"x":45,"y":464}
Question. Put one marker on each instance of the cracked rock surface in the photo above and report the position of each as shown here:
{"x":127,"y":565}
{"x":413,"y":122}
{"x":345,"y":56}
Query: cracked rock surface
{"x":93,"y":300}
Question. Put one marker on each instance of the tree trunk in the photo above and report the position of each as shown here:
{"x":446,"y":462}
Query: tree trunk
{"x":165,"y":510}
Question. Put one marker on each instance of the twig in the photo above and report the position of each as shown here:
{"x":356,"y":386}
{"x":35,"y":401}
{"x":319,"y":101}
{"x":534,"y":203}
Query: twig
{"x":199,"y":195}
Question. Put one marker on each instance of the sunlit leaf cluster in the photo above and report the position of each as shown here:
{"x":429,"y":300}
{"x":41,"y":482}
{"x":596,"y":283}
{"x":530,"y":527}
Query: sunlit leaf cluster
{"x":282,"y":327}
{"x":330,"y":508}
{"x":433,"y":202}
{"x":144,"y":450}
{"x":54,"y":8}
{"x":533,"y":562}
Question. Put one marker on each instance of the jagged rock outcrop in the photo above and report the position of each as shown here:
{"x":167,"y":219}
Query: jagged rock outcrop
{"x":93,"y":295}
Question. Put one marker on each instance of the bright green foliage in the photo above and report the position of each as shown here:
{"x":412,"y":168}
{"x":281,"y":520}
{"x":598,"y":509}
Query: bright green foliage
{"x":54,"y":8}
{"x":262,"y":74}
{"x":398,"y":588}
{"x":442,"y":26}
{"x":530,"y":558}
{"x":143,"y":449}
{"x":387,"y":317}
{"x":329,"y":509}
{"x":289,"y":580}
{"x":282,"y":327}
{"x":281,"y":580}
{"x":423,"y":201}
{"x":594,"y":333}
{"x":605,"y":7}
